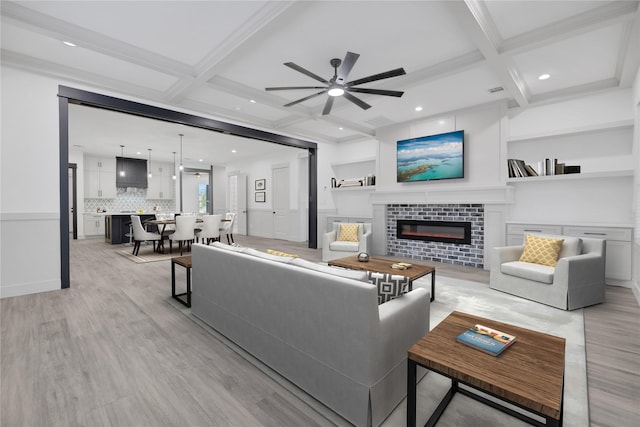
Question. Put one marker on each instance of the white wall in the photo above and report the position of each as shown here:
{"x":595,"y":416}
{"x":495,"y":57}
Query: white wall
{"x":636,"y":193}
{"x":29,"y":202}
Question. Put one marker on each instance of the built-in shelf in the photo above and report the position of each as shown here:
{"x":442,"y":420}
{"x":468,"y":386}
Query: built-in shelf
{"x":573,"y":131}
{"x":572,"y":176}
{"x":361,"y":188}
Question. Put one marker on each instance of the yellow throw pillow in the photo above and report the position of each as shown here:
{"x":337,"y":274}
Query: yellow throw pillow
{"x":348,"y":233}
{"x":541,"y":250}
{"x":274,"y":252}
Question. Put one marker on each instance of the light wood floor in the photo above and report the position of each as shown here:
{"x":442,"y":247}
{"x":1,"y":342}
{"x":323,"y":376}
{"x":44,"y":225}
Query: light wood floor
{"x":114,"y":350}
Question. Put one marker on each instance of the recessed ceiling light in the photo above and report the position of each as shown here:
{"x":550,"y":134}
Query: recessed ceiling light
{"x":69,"y":44}
{"x":340,"y":127}
{"x":418,"y":108}
{"x":253,"y":101}
{"x":233,"y":151}
{"x":139,"y":152}
{"x":200,"y":160}
{"x":543,"y":76}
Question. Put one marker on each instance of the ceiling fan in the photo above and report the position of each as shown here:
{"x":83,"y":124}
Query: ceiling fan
{"x":338,"y":86}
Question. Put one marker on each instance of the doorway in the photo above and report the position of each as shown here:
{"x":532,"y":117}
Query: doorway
{"x":281,"y":202}
{"x":73,"y":200}
{"x":67,"y":95}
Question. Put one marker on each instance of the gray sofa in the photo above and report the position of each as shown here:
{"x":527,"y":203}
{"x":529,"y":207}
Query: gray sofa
{"x":322,"y":331}
{"x":578,"y":280}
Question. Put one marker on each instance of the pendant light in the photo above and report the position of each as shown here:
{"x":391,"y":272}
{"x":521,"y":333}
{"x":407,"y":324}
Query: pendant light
{"x":149,"y":165}
{"x":122,"y":165}
{"x":174,"y":166}
{"x":181,"y":167}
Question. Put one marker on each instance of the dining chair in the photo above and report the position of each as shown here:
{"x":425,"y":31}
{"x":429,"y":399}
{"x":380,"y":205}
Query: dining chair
{"x":141,"y":235}
{"x":210,"y":229}
{"x":184,"y":234}
{"x":227,"y":226}
{"x":167,"y":228}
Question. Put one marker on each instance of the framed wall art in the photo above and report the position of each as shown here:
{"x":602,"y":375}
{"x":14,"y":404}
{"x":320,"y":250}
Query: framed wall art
{"x":260,"y":196}
{"x":261,"y":184}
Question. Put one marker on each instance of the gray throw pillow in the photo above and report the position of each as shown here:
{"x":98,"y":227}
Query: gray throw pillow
{"x":389,"y":286}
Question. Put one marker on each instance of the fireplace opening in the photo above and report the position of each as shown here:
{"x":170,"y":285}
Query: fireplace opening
{"x":434,"y":231}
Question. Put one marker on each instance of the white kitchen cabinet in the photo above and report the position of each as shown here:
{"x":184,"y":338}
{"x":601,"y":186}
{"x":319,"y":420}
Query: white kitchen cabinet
{"x":161,"y":185}
{"x":100,"y":178}
{"x":93,"y":225}
{"x":619,"y":242}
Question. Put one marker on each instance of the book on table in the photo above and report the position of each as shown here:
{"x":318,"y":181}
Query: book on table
{"x":486,"y":339}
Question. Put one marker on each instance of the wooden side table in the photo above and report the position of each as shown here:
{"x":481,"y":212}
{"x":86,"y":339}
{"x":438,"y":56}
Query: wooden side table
{"x":184,"y":261}
{"x":529,"y":374}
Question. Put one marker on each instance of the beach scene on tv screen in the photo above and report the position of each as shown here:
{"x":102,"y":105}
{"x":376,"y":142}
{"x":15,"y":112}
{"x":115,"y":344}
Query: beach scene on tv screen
{"x":431,"y":157}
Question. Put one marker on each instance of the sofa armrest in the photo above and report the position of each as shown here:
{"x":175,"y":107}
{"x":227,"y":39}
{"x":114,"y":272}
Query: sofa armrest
{"x":403,"y":321}
{"x":577,"y":270}
{"x":328,"y":238}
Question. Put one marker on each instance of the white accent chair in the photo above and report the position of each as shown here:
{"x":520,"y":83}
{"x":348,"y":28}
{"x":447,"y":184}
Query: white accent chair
{"x":227,"y":226}
{"x":141,"y":235}
{"x":333,"y":248}
{"x":184,"y":234}
{"x":576,"y":281}
{"x":210,"y":229}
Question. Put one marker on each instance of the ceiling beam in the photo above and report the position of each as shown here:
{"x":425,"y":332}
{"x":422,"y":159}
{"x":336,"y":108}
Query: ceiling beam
{"x":476,"y":21}
{"x":251,"y":31}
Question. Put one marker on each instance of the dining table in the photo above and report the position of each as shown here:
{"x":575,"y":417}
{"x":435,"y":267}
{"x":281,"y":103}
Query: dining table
{"x":162,"y":230}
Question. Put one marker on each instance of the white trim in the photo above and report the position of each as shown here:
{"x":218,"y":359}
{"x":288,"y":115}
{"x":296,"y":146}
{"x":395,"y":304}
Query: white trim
{"x":30,"y":216}
{"x":19,"y":289}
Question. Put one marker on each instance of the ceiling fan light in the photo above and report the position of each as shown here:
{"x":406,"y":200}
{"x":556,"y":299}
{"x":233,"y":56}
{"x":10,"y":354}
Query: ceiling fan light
{"x":336,"y":91}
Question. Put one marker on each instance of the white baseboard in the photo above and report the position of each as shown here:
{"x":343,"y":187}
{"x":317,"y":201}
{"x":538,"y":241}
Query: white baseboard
{"x":19,"y":289}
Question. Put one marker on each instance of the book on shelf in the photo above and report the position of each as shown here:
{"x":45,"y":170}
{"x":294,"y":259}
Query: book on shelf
{"x":486,"y":339}
{"x":518,"y":169}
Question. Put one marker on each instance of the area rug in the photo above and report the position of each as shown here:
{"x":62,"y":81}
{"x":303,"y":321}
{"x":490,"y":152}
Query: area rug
{"x":478,"y":299}
{"x":146,"y":254}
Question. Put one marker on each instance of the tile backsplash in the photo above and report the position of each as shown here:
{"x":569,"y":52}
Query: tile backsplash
{"x":129,"y":199}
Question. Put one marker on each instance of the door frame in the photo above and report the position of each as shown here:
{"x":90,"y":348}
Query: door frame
{"x":68,"y":95}
{"x":74,"y":195}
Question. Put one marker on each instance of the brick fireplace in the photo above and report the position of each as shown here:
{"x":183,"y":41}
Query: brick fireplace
{"x":423,"y":225}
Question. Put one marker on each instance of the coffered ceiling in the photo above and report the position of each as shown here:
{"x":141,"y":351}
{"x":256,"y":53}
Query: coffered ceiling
{"x":217,"y":57}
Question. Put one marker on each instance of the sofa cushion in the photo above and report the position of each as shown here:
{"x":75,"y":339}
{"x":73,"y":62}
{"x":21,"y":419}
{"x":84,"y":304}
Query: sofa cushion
{"x":336,"y":271}
{"x":348,"y":233}
{"x":344,"y":246}
{"x":389,"y":286}
{"x":526,"y":270}
{"x":541,"y":250}
{"x":570,"y":247}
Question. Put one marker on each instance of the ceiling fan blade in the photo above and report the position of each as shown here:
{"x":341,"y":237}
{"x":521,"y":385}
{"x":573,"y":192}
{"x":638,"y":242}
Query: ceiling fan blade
{"x":305,"y":72}
{"x":360,"y":103}
{"x":381,"y":76}
{"x":305,"y":98}
{"x":347,"y":64}
{"x":294,"y":87}
{"x":377,"y":91}
{"x":327,"y":105}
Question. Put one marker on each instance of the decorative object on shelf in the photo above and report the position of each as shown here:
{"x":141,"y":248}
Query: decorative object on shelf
{"x":260,"y":196}
{"x":261,"y":184}
{"x":363,"y":257}
{"x":334,"y":183}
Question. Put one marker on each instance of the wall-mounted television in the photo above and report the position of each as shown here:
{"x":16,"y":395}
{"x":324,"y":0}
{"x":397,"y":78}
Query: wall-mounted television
{"x":430,"y":158}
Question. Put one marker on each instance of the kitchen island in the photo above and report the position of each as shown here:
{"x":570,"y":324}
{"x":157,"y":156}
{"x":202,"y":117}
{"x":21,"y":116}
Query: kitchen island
{"x":116,"y":226}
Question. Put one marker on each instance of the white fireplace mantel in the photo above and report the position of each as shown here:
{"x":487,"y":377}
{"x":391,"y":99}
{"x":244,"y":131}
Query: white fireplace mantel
{"x":482,"y":195}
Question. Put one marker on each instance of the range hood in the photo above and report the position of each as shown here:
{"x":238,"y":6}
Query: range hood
{"x":135,"y":173}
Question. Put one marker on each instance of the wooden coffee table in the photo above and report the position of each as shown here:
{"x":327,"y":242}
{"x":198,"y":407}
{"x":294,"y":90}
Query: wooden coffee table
{"x":381,"y":265}
{"x":529,"y":374}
